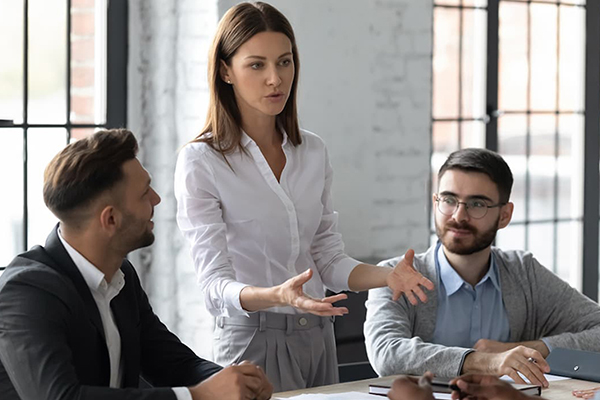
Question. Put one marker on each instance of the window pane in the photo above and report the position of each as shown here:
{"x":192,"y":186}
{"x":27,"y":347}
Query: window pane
{"x":475,"y":3}
{"x":80,"y":133}
{"x":448,"y":2}
{"x":11,"y":67}
{"x":43,"y":145}
{"x":47,"y":61}
{"x":570,"y":166}
{"x":511,"y":238}
{"x":568,"y":257}
{"x":445,"y":137}
{"x":572,"y":59}
{"x":88,"y":58}
{"x":445,"y":62}
{"x":541,"y":243}
{"x":11,"y":217}
{"x":512,"y":61}
{"x":445,"y":141}
{"x":542,"y":167}
{"x":543,"y":56}
{"x":474,"y":63}
{"x":512,"y":136}
{"x":472,"y":134}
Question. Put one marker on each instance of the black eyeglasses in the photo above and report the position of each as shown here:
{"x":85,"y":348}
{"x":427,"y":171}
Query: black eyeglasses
{"x":476,"y":208}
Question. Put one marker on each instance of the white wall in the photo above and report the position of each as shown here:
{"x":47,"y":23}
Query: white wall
{"x":365,"y":87}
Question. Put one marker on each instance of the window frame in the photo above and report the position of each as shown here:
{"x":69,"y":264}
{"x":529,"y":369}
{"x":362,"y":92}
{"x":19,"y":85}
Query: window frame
{"x":116,"y":87}
{"x":591,"y":114}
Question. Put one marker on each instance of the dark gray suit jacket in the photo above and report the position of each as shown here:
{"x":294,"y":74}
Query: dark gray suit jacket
{"x":52,"y":343}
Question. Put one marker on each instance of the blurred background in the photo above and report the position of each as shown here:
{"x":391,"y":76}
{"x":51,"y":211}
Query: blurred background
{"x":392,"y":86}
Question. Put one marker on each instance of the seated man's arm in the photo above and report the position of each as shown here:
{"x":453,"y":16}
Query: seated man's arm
{"x":393,"y":349}
{"x":36,"y":319}
{"x":564,"y":317}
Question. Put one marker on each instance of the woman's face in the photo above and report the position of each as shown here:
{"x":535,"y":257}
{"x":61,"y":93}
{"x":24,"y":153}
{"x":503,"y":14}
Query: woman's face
{"x":261,"y":72}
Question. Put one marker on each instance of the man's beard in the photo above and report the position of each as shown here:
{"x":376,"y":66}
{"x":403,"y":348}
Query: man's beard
{"x":479,"y":240}
{"x":136,"y":233}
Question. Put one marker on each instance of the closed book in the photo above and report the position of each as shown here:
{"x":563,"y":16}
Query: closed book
{"x":438,"y":385}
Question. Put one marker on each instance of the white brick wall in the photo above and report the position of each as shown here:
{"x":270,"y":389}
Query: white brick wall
{"x":365,"y":87}
{"x":166,"y":107}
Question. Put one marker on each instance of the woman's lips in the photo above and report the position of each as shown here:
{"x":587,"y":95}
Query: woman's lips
{"x":275,"y":97}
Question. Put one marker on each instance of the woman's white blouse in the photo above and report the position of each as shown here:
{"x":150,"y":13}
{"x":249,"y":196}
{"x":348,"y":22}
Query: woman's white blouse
{"x":245,"y":228}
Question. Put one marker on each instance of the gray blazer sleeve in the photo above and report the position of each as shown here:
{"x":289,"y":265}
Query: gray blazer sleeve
{"x":565,"y":317}
{"x":391,"y":334}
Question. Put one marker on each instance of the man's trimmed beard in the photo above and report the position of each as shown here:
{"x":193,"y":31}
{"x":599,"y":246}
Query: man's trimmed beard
{"x":135,"y":233}
{"x":481,"y":240}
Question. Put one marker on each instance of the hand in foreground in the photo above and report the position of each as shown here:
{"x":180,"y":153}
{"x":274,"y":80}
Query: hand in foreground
{"x":406,"y":279}
{"x":586,"y":394}
{"x":243,"y":381}
{"x":485,"y":387}
{"x":521,"y":359}
{"x":291,"y":293}
{"x":410,"y":388}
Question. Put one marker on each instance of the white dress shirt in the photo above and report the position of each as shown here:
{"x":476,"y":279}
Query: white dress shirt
{"x":103,"y":293}
{"x":246,"y":228}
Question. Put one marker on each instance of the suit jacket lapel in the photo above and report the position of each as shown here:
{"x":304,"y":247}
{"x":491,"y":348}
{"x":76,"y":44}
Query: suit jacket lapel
{"x":62,"y":262}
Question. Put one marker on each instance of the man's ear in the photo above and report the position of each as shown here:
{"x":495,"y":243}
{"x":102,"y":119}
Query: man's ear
{"x":224,"y":72}
{"x":506,"y":212}
{"x":110,"y":219}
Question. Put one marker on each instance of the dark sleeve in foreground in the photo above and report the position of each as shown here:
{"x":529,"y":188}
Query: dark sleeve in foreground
{"x":165,"y":361}
{"x":40,"y":319}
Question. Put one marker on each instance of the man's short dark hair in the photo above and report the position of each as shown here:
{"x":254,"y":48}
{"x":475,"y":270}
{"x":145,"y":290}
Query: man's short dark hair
{"x":85,"y":169}
{"x":483,"y":161}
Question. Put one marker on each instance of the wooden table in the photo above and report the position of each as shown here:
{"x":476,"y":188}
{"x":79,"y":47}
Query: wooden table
{"x":558,"y":390}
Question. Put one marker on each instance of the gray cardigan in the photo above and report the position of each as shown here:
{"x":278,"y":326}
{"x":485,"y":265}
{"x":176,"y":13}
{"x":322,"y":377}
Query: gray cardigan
{"x":538,"y":304}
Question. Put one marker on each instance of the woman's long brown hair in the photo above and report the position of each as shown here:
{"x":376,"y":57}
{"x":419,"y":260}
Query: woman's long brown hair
{"x":223,"y":128}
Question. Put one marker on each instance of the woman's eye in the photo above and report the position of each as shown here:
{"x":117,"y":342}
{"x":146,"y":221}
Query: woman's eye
{"x":285,"y":63}
{"x":256,"y":65}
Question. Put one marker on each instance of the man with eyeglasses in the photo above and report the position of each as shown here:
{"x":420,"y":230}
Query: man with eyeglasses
{"x":493,"y":311}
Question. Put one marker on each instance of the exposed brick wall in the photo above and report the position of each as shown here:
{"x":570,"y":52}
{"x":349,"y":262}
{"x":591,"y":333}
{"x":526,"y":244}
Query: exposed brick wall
{"x":83,"y":69}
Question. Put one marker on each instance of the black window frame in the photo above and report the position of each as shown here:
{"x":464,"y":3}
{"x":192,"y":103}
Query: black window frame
{"x":116,"y":87}
{"x":591,"y":114}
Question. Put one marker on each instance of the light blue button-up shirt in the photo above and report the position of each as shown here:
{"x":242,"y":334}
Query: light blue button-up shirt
{"x":466,"y":314}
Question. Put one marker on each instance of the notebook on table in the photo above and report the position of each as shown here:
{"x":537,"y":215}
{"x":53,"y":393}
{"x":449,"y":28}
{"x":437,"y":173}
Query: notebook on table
{"x":578,"y":364}
{"x":441,"y":385}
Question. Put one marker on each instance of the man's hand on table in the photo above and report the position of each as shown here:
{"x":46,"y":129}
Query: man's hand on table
{"x":525,"y":360}
{"x":242,"y":381}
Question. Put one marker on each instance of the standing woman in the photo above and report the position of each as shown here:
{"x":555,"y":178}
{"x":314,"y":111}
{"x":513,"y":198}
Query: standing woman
{"x":254,"y":199}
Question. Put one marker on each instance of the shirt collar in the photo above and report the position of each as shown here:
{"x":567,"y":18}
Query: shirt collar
{"x":93,"y":277}
{"x":246,"y":140}
{"x":452,"y":280}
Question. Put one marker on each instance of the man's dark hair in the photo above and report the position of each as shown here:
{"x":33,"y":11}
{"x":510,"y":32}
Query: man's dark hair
{"x":85,"y":169}
{"x":483,"y":161}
